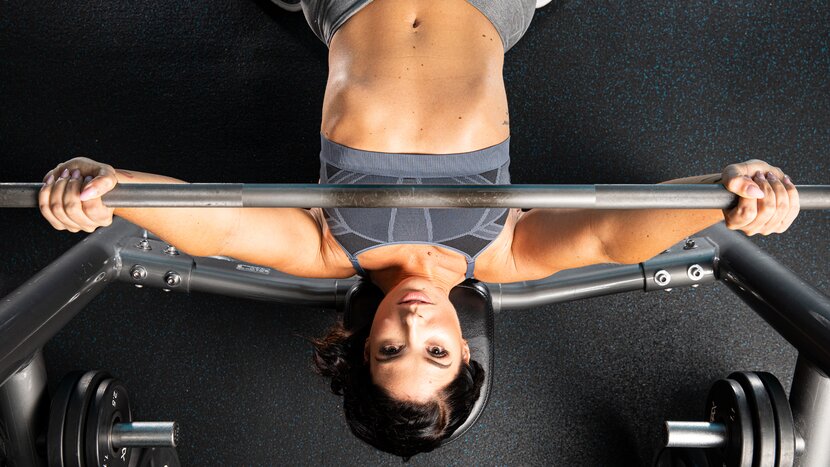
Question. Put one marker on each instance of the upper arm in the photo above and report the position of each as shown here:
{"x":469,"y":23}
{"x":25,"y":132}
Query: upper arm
{"x":546,"y":241}
{"x":287,"y":239}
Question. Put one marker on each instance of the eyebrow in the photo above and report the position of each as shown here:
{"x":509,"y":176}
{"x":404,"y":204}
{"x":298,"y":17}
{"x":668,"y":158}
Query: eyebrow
{"x":429,"y":360}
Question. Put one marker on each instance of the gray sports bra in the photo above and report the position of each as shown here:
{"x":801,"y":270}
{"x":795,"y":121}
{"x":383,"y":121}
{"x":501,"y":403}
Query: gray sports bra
{"x":511,"y":18}
{"x":468,"y":231}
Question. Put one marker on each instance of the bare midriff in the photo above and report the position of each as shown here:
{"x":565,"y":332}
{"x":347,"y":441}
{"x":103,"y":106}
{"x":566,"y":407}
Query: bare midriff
{"x":418,"y":76}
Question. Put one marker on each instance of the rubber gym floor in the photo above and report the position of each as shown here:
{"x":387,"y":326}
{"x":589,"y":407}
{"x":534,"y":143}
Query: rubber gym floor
{"x":599,"y":92}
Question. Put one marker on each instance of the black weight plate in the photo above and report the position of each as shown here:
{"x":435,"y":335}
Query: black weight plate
{"x":727,"y":404}
{"x":763,"y":418}
{"x":159,"y":457}
{"x":785,"y":426}
{"x":75,"y":426}
{"x":111,"y":404}
{"x":57,"y":418}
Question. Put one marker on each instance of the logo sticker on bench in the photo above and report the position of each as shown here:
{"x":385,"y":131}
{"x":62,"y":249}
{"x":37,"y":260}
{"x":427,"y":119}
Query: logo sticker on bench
{"x":256,"y":269}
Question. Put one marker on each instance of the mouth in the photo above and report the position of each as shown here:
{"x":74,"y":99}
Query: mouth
{"x":415,"y":298}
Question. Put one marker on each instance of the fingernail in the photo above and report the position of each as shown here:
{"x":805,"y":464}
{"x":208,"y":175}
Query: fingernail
{"x":755,"y":192}
{"x":49,"y":179}
{"x":87,"y":179}
{"x":771,"y":177}
{"x":76,"y":174}
{"x":65,"y":173}
{"x":88,"y":193}
{"x":787,"y":179}
{"x":760,"y":176}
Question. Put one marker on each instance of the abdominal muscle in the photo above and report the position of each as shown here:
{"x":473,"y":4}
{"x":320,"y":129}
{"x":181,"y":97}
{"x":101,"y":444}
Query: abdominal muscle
{"x":418,"y":76}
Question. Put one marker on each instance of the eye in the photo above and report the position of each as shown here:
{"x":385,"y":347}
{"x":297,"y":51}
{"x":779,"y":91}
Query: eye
{"x":437,"y":351}
{"x":390,"y":349}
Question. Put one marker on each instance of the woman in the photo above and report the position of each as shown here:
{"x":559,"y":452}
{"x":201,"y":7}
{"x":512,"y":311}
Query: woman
{"x":415,"y":95}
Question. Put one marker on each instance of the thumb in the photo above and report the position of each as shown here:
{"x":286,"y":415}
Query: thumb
{"x":744,"y":187}
{"x":98,"y":186}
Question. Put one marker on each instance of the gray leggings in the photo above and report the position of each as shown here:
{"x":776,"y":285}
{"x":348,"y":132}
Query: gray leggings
{"x":511,"y":18}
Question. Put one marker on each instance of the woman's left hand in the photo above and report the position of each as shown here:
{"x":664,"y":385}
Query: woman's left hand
{"x":768,"y":200}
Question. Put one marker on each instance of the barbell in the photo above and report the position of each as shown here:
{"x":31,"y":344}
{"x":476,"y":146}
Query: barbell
{"x":665,"y":196}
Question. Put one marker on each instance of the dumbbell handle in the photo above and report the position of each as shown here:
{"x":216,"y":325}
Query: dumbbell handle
{"x":704,"y":435}
{"x":145,"y":435}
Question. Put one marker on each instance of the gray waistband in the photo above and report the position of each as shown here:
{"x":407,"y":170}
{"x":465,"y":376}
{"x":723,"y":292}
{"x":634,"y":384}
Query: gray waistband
{"x":414,"y":165}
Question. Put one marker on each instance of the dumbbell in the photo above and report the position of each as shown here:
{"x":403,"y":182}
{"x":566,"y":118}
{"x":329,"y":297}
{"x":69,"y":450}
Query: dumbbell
{"x":750,"y":424}
{"x":90,"y":424}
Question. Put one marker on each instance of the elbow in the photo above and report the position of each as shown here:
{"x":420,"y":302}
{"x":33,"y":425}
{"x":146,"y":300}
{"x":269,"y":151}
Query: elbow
{"x":621,"y":255}
{"x":195,"y":248}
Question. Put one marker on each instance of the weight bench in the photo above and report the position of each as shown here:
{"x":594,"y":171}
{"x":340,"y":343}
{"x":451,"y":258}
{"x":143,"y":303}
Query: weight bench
{"x":124,"y":252}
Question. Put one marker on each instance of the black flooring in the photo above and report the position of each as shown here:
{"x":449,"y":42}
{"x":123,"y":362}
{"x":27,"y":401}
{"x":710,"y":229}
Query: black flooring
{"x":632,"y":92}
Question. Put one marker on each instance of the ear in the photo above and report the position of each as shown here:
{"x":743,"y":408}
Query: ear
{"x":366,"y":351}
{"x":465,"y":351}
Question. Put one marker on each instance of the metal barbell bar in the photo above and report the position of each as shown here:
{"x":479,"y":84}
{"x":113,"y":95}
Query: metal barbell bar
{"x":145,"y":434}
{"x":666,"y":196}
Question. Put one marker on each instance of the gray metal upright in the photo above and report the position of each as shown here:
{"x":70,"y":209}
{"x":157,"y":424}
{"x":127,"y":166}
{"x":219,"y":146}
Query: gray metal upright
{"x":24,"y":413}
{"x":794,"y":308}
{"x":801,"y":314}
{"x":810,"y":402}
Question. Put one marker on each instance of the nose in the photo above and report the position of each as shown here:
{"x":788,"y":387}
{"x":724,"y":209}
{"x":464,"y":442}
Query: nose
{"x":414,"y":315}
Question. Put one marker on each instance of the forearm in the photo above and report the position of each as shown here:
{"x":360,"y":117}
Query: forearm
{"x":633,"y":236}
{"x":196,"y":231}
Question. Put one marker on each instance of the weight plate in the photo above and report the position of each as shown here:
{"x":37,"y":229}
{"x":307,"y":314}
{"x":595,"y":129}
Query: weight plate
{"x":159,"y":457}
{"x":57,"y":418}
{"x":785,"y":427}
{"x":75,"y":426}
{"x":763,"y":418}
{"x":110,"y":405}
{"x":727,"y":404}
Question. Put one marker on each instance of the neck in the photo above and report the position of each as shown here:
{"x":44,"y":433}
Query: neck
{"x":418,"y":265}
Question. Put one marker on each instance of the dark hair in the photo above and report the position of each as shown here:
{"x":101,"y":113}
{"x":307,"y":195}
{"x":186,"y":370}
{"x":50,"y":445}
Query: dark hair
{"x":398,"y":427}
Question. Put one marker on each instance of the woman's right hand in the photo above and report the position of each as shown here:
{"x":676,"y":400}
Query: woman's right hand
{"x":71,"y":195}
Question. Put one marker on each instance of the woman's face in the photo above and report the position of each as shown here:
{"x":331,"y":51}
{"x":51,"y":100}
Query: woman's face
{"x":415,"y":347}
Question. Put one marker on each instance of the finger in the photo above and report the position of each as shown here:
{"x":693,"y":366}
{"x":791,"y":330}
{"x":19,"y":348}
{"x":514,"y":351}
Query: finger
{"x":56,"y":202}
{"x":72,"y":204}
{"x":779,"y":174}
{"x":746,"y":168}
{"x":765,"y":207}
{"x":782,"y":204}
{"x":104,"y":181}
{"x":795,"y":205}
{"x":43,"y":202}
